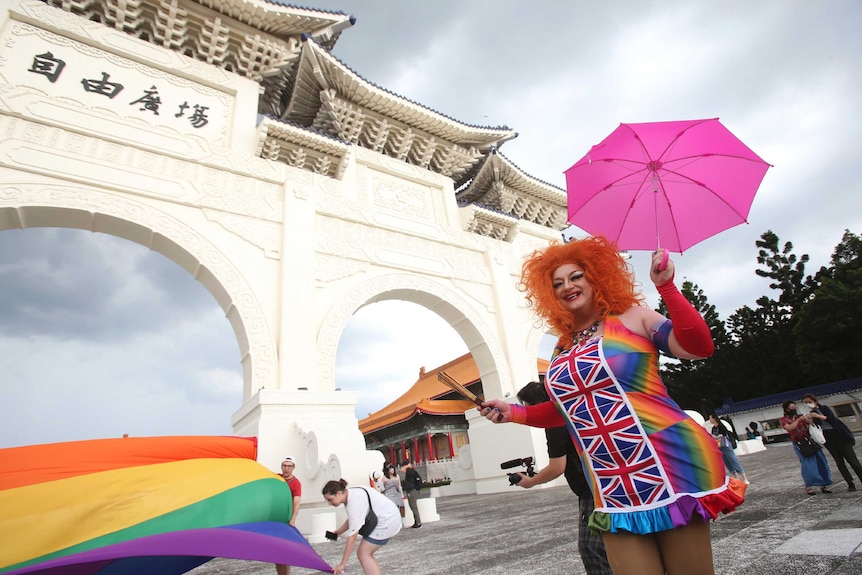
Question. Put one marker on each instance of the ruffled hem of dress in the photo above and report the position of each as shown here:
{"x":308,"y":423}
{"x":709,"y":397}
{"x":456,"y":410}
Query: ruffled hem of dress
{"x":687,"y":509}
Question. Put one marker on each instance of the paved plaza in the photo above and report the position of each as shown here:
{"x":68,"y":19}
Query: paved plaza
{"x":778,"y":530}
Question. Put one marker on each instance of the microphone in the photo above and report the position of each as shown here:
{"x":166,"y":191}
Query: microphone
{"x":516,"y":463}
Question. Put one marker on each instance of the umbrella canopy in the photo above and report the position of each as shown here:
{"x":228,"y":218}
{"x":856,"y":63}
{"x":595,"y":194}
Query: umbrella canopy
{"x":664,"y":184}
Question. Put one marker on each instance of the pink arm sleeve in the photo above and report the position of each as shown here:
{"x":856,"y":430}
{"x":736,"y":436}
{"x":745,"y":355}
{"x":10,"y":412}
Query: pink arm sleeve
{"x":689,"y":327}
{"x":542,"y":415}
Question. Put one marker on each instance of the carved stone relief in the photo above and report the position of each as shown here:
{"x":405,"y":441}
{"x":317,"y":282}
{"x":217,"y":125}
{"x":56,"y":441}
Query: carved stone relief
{"x":175,"y":179}
{"x":358,"y":241}
{"x":402,"y":197}
{"x":264,"y":235}
{"x":329,"y":269}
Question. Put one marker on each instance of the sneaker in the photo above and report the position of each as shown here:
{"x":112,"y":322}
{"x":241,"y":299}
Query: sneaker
{"x":851,"y":487}
{"x":747,"y":482}
{"x":416,"y":526}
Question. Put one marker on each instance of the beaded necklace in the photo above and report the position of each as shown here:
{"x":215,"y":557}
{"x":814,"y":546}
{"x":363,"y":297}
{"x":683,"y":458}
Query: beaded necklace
{"x":581,"y":336}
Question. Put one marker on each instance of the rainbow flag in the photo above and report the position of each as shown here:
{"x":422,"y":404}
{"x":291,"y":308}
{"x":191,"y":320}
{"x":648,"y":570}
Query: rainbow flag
{"x":143,"y":505}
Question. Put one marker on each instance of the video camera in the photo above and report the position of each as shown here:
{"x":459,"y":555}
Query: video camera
{"x":526,"y":462}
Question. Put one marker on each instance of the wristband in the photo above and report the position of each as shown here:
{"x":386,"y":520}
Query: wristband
{"x":660,"y":334}
{"x":517,"y":414}
{"x":689,"y":327}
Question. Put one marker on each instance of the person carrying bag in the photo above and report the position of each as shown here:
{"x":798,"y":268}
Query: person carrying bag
{"x":813,"y":464}
{"x":373,"y":516}
{"x":370,"y":519}
{"x":839,"y":439}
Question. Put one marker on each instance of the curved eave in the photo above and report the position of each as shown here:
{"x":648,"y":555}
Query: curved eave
{"x":492,"y":214}
{"x":429,"y":406}
{"x":295,"y":133}
{"x":371,"y":424}
{"x":319,"y":70}
{"x":498,"y":168}
{"x":282,"y":19}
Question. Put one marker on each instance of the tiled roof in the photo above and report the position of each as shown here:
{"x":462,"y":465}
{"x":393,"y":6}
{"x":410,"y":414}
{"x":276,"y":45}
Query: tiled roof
{"x":283,"y":19}
{"x":525,"y":178}
{"x":369,"y":95}
{"x":423,"y":395}
{"x":289,"y":5}
{"x":823,"y":390}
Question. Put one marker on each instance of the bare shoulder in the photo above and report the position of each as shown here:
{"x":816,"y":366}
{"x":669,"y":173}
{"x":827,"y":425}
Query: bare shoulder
{"x":639,"y":319}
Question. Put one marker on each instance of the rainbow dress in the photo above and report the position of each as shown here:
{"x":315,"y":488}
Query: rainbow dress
{"x":650,"y":466}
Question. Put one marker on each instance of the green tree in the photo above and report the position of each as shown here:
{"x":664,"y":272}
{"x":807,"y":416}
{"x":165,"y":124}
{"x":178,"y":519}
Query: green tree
{"x":760,"y":361}
{"x":787,"y":273}
{"x":810,"y":332}
{"x":692,"y":384}
{"x":828,"y":327}
{"x":764,"y":358}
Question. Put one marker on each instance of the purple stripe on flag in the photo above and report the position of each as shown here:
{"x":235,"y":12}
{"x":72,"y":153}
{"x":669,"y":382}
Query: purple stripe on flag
{"x":270,"y":542}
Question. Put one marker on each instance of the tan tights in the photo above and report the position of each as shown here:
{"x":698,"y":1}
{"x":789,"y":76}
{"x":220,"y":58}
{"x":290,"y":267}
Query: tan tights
{"x":683,"y":551}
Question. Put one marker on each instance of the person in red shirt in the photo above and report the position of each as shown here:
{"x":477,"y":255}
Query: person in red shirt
{"x":287,"y":467}
{"x":814,"y":467}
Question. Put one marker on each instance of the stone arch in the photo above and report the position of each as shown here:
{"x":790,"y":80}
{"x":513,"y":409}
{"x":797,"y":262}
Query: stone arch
{"x":28,"y":205}
{"x":481,"y":340}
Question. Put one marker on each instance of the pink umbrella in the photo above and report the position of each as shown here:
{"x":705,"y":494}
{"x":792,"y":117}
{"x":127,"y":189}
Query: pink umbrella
{"x":664,"y":184}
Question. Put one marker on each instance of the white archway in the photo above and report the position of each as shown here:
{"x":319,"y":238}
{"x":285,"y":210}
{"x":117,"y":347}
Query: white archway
{"x":432,"y":295}
{"x":31,"y":205}
{"x":345,"y":194}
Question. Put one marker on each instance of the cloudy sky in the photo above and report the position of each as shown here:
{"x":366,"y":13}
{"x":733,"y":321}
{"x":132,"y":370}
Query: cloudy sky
{"x":100,"y":337}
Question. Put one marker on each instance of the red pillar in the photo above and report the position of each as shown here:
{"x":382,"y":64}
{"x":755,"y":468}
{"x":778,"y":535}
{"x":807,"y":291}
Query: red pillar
{"x":403,"y":452}
{"x":392,"y":455}
{"x":417,"y":456}
{"x":431,"y":454}
{"x":451,"y":449}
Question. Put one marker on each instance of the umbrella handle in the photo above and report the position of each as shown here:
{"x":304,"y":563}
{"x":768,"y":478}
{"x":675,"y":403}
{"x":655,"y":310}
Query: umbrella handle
{"x":663,"y":265}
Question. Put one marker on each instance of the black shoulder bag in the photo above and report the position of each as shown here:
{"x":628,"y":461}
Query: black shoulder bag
{"x":370,"y":518}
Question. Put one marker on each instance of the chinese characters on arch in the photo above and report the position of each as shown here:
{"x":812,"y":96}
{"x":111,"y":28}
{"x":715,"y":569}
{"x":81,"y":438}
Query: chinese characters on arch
{"x":150,"y":101}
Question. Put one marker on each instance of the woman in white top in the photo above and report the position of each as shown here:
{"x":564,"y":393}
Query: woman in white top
{"x":356,"y":501}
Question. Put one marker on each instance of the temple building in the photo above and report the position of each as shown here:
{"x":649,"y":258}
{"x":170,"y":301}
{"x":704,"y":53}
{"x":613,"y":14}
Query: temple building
{"x":426,"y":424}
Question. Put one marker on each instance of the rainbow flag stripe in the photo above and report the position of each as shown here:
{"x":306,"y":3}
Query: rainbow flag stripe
{"x":159,"y":504}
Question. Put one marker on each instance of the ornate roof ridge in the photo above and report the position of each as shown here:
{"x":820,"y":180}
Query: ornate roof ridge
{"x":496,"y":152}
{"x":280,"y":18}
{"x":503,"y":128}
{"x":310,"y":9}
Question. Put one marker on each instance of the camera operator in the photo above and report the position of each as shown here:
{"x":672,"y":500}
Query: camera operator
{"x":564,"y":460}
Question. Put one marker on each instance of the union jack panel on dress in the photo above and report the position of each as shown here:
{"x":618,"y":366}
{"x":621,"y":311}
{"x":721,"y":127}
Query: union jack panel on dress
{"x":625,"y":468}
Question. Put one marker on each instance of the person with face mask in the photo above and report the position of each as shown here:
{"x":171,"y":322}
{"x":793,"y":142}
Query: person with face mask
{"x":839,"y":439}
{"x":815,"y":468}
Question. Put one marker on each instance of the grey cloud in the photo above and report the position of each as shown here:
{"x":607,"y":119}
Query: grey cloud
{"x":73,"y":284}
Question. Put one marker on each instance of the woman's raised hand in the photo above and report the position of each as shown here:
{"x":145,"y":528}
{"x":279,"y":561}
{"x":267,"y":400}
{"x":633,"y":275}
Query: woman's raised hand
{"x":496,"y":410}
{"x":661,"y":268}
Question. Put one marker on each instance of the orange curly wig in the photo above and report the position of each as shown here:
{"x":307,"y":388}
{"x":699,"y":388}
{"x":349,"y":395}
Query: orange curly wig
{"x":610,"y":276}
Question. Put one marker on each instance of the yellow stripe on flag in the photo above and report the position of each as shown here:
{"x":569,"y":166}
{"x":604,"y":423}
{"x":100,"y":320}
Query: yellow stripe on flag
{"x":47,"y":517}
